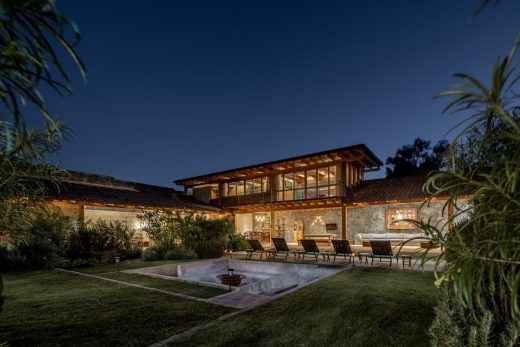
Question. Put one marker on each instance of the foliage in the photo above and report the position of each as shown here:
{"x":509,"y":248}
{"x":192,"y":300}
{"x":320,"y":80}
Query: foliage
{"x":205,"y":236}
{"x":418,"y":158}
{"x":237,"y":242}
{"x":154,"y":253}
{"x":1,"y":291}
{"x":483,"y":251}
{"x":30,"y":33}
{"x":180,"y":253}
{"x":38,"y":242}
{"x":160,"y":227}
{"x":99,"y":242}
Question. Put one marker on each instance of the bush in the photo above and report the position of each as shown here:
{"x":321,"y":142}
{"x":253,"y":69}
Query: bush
{"x":180,"y":253}
{"x":1,"y":290}
{"x":154,"y":253}
{"x":237,"y":242}
{"x":211,"y":249}
{"x":38,"y":243}
{"x":207,"y":237}
{"x":100,"y":242}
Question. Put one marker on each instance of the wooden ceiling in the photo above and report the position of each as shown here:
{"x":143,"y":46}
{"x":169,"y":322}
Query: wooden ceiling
{"x":289,"y":205}
{"x":359,"y":154}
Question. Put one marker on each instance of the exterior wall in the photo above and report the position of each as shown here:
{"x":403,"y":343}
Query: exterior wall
{"x":202,"y":193}
{"x":314,"y":221}
{"x":70,"y":210}
{"x":372,"y":219}
{"x":129,"y":216}
{"x":243,"y":222}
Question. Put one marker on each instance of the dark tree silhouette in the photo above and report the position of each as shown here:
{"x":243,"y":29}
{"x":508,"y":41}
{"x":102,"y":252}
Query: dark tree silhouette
{"x":418,"y":158}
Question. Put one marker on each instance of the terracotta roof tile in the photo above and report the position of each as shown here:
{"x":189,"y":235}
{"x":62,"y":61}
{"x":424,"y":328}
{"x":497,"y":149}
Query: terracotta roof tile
{"x":120,"y":192}
{"x":379,"y":190}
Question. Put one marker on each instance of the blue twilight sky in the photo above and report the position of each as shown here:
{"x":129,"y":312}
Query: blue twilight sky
{"x":184,"y":88}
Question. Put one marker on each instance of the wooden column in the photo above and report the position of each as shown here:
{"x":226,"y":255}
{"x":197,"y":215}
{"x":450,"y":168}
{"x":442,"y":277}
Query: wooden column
{"x":81,"y":212}
{"x":344,"y":222}
{"x":451,"y":211}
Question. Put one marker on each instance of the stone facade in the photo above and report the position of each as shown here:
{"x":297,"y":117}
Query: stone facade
{"x":372,"y":219}
{"x":314,"y":221}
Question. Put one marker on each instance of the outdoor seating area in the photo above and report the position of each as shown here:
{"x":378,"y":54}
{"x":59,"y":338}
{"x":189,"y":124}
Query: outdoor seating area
{"x":382,"y":251}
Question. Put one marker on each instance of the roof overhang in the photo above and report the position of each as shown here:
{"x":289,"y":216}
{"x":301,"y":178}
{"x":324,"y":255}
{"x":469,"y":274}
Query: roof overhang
{"x":358,"y":153}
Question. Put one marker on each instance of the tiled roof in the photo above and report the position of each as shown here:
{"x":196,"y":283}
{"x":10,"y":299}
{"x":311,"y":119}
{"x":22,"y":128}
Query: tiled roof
{"x":387,"y":189}
{"x":103,"y":189}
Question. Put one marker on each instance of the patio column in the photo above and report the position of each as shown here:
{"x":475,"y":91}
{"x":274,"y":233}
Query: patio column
{"x":343,"y":222}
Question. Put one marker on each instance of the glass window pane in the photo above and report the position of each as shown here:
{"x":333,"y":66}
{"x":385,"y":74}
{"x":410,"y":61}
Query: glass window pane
{"x":279,"y":196}
{"x":333,"y":191}
{"x":232,"y":189}
{"x":332,"y":175}
{"x":289,"y":180}
{"x":265,"y":184}
{"x":249,"y":187}
{"x":299,"y":179}
{"x":323,"y":176}
{"x":311,"y":178}
{"x":240,"y":187}
{"x":289,"y":194}
{"x":323,"y":192}
{"x":311,"y":193}
{"x":299,"y":194}
{"x":257,"y":185}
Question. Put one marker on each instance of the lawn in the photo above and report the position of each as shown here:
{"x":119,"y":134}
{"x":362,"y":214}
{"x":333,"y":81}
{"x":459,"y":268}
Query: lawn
{"x":126,"y":265}
{"x":169,"y":285}
{"x":55,"y":308}
{"x":358,"y":307}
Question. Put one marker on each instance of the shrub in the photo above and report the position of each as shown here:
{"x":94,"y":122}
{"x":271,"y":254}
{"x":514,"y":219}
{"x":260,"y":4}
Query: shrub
{"x":100,"y":242}
{"x":1,"y":291}
{"x":37,"y":243}
{"x":207,"y":237}
{"x":180,"y":253}
{"x":154,"y":253}
{"x":237,"y":242}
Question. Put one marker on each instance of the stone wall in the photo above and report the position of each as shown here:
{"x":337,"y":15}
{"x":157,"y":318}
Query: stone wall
{"x":314,"y":221}
{"x":372,"y":219}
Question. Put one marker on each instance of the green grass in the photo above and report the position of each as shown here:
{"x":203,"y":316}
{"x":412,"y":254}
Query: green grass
{"x":358,"y":307}
{"x":127,"y":265}
{"x":170,"y":285}
{"x":55,"y":308}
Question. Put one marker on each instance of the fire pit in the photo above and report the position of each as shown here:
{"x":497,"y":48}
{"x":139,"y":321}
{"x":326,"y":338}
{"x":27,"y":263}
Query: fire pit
{"x":231,"y":279}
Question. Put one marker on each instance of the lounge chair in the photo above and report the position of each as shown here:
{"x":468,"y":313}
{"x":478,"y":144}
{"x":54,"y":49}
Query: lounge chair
{"x":282,"y":248}
{"x":257,"y":248}
{"x":311,"y":248}
{"x":381,"y":249}
{"x":342,"y":247}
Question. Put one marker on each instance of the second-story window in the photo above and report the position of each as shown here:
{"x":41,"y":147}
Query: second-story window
{"x":309,"y":184}
{"x":246,"y":187}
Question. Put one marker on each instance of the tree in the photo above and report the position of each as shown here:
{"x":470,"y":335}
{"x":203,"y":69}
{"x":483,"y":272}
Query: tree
{"x":482,"y":251}
{"x":31,"y":31}
{"x":417,"y":159}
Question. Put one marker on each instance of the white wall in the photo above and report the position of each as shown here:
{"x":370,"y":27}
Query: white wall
{"x":243,"y":222}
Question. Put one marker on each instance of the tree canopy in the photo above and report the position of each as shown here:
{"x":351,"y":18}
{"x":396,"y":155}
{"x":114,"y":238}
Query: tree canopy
{"x":418,"y":158}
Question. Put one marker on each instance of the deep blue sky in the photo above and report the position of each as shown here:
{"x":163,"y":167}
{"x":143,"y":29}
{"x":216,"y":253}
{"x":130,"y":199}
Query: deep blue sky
{"x":183,"y":88}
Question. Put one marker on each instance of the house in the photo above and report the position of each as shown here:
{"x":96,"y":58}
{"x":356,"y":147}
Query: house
{"x":89,"y":196}
{"x":321,"y":195}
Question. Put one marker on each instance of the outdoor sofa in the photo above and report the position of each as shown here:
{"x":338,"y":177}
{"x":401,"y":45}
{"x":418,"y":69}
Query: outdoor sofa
{"x":394,"y":238}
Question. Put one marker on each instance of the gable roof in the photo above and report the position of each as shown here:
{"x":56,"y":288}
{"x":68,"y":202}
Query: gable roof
{"x":91,"y":188}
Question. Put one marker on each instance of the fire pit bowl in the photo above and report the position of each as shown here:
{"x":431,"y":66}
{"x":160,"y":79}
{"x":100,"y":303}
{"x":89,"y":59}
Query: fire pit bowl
{"x":231,"y":280}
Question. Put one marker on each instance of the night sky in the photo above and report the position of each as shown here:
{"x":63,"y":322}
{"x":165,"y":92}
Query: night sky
{"x":184,"y":88}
